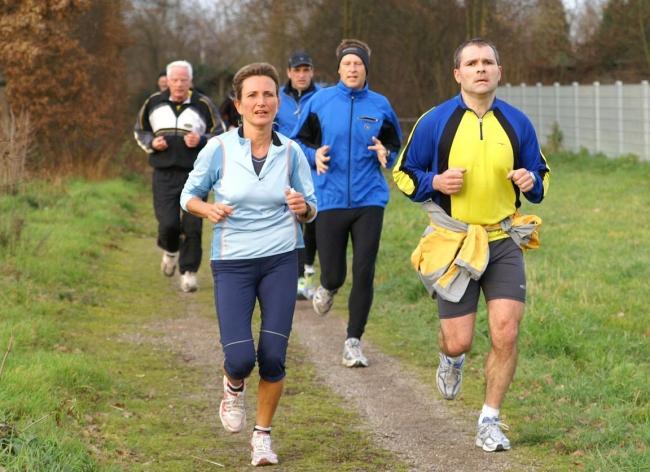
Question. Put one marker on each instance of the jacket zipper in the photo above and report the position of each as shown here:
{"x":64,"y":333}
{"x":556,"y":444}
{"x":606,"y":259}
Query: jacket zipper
{"x":480,"y":123}
{"x":350,"y":153}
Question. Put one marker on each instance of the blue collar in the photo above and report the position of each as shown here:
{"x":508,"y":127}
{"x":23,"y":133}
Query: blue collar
{"x":352,"y":92}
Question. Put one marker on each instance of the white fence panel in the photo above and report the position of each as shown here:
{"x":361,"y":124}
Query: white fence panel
{"x":612,"y":119}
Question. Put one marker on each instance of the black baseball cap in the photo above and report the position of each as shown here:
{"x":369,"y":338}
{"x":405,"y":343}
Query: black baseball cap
{"x":300,"y":59}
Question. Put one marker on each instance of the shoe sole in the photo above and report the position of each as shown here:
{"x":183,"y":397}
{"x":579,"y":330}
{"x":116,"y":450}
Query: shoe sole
{"x":262,"y":463}
{"x":446,"y":397}
{"x":355,"y":363}
{"x":498,"y":448}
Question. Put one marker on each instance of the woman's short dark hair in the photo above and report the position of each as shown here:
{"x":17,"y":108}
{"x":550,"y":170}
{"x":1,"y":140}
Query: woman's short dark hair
{"x":250,"y":70}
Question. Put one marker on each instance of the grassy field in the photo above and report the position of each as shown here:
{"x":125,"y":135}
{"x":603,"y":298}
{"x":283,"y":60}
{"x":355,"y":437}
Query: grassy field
{"x":87,"y":386}
{"x":581,"y":396}
{"x":74,"y":396}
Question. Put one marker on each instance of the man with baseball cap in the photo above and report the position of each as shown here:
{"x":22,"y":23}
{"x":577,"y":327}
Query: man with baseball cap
{"x":296,"y":92}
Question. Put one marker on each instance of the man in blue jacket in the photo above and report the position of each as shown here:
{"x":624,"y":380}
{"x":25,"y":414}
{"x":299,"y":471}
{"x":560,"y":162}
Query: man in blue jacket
{"x":300,"y":87}
{"x":349,"y":134}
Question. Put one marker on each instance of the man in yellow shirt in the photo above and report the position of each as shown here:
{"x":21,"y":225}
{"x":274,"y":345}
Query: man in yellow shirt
{"x":473,"y":156}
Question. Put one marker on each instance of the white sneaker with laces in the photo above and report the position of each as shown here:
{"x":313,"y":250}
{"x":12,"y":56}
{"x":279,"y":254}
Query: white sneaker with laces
{"x":231,"y":411}
{"x":449,"y":376}
{"x":323,"y":300}
{"x":352,"y":354}
{"x":168,"y":263}
{"x":188,"y":282}
{"x":489,"y":436}
{"x":261,"y":451}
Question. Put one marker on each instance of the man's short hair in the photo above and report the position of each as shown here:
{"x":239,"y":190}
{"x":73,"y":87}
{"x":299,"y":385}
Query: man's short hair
{"x":474,"y":42}
{"x":185,"y":64}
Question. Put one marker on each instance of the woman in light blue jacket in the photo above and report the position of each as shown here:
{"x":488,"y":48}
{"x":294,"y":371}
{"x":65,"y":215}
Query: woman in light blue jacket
{"x":263,"y":192}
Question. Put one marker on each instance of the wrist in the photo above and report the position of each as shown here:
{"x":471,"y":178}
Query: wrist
{"x":306,"y":214}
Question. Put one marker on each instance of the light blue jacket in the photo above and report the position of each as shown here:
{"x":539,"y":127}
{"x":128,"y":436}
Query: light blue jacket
{"x":261,"y":223}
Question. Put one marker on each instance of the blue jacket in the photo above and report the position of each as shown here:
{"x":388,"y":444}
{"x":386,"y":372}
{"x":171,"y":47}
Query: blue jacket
{"x":261,"y":223}
{"x":291,"y":104}
{"x":452,"y":136}
{"x":346,"y":120}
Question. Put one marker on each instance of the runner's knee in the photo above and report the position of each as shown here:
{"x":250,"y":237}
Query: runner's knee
{"x":271,"y":357}
{"x":504,"y":337}
{"x":239,"y":359}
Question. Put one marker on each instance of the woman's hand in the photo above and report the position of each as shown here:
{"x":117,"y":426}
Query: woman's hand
{"x":297,"y":204}
{"x":217,"y":212}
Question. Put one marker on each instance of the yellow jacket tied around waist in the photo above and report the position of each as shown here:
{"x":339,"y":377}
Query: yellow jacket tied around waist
{"x":451,"y":252}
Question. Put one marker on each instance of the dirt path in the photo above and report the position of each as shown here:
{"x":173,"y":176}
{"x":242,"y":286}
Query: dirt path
{"x":403,"y":415}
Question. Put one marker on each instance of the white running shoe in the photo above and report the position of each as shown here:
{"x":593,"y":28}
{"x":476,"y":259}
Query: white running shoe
{"x":231,"y":411}
{"x":168,"y":263}
{"x":261,"y":452}
{"x":302,"y":293}
{"x":323,"y":300}
{"x":352,"y":354}
{"x":489,"y":436}
{"x":309,"y":284}
{"x":188,"y":282}
{"x":449,"y":376}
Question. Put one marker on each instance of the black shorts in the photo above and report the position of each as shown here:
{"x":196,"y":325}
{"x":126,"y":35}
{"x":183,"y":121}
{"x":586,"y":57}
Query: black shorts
{"x":505,"y":277}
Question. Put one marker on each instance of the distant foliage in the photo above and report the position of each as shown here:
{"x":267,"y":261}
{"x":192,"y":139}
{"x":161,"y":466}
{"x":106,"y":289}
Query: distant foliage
{"x":61,"y":61}
{"x":555,"y":140}
{"x":15,"y":143}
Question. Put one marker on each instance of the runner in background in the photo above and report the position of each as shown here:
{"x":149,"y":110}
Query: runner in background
{"x":300,"y":87}
{"x":172,"y":127}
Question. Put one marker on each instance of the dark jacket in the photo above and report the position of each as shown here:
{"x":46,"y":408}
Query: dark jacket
{"x":159,"y":116}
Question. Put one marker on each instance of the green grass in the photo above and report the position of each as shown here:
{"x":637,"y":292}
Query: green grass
{"x":582,"y":389}
{"x":89,"y":384}
{"x":77,"y":275}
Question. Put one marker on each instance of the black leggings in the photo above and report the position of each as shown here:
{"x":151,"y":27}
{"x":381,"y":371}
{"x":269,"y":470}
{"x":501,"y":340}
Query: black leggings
{"x":307,"y":256}
{"x":177,"y":229}
{"x":332,"y":230}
